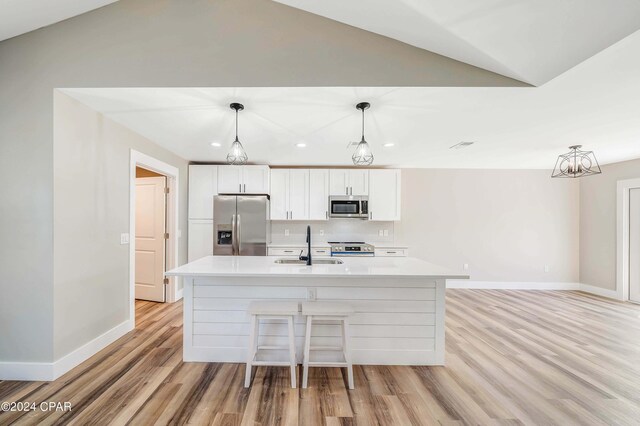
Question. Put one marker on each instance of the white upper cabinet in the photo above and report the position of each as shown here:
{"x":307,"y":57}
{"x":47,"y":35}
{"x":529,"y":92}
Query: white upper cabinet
{"x":384,"y":194}
{"x":359,"y":182}
{"x":299,"y":194}
{"x":279,"y":203}
{"x":289,"y":194}
{"x":318,"y":194}
{"x":243,"y":179}
{"x":255,"y":179}
{"x":202,"y":188}
{"x":349,"y":181}
{"x":229,"y":179}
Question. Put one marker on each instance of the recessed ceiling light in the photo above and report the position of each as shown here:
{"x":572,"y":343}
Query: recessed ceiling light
{"x":389,"y":145}
{"x":461,"y":145}
{"x":215,"y":144}
{"x":301,"y":145}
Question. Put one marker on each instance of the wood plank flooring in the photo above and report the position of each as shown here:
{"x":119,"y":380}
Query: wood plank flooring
{"x":513,"y":357}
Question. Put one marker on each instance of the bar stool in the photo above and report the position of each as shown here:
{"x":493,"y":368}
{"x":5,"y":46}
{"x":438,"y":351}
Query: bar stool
{"x":273,"y":311}
{"x":327,"y":311}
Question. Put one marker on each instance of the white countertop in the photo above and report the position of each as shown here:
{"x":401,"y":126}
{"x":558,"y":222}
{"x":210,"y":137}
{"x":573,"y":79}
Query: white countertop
{"x":264,"y":266}
{"x":326,"y":245}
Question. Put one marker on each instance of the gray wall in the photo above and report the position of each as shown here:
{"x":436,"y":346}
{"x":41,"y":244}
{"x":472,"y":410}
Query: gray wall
{"x":506,"y":224}
{"x":159,"y":43}
{"x":91,"y":210}
{"x":598,"y":223}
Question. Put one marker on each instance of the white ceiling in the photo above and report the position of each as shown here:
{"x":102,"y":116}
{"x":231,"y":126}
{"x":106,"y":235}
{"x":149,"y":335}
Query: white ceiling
{"x":21,"y":16}
{"x":529,"y":40}
{"x":596,"y":104}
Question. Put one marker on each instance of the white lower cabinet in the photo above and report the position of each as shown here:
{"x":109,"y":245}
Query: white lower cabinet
{"x":294,"y":251}
{"x":200,"y":239}
{"x":392,"y":252}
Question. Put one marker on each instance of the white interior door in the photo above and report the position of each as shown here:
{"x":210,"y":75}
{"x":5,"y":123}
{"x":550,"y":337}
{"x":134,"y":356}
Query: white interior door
{"x":149,"y":238}
{"x":634,"y":245}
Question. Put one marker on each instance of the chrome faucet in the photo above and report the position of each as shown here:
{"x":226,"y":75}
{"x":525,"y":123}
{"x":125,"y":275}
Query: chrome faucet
{"x":308,"y":256}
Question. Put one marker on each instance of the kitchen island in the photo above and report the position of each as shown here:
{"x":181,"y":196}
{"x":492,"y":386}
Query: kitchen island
{"x":399,"y":306}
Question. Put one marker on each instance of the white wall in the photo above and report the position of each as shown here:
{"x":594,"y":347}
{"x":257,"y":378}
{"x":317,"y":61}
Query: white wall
{"x":91,"y":210}
{"x":598,"y":223}
{"x":506,"y":224}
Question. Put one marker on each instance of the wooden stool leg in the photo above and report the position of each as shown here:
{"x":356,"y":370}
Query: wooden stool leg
{"x":347,"y":350}
{"x":251,"y":350}
{"x":292,"y":352}
{"x":307,"y":346}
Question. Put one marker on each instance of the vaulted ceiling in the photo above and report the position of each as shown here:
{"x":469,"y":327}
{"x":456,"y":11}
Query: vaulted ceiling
{"x":530,"y":40}
{"x":21,"y":16}
{"x":595,"y":104}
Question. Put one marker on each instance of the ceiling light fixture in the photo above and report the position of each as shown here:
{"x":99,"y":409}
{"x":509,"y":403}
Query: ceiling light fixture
{"x":237,"y":155}
{"x":301,"y":145}
{"x":389,"y":144}
{"x":215,"y":144}
{"x":576,"y":163}
{"x":362,"y":156}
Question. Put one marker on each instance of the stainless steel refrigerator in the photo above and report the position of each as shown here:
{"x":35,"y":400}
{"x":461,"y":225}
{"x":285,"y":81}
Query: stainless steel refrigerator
{"x":241,"y":225}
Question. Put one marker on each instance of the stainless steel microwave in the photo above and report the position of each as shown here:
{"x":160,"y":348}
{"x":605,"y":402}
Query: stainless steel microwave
{"x":349,"y":206}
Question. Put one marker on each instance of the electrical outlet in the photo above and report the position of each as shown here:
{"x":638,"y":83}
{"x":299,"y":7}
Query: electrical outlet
{"x":546,"y":268}
{"x":286,"y":232}
{"x":124,"y":239}
{"x":386,"y":232}
{"x":465,"y":266}
{"x":311,"y":294}
{"x":322,"y":232}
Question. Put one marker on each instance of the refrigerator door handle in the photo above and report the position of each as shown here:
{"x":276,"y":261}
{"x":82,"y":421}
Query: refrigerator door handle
{"x":233,"y":235}
{"x":238,"y":238}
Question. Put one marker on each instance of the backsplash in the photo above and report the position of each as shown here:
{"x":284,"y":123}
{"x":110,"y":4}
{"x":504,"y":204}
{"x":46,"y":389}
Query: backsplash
{"x":334,"y":230}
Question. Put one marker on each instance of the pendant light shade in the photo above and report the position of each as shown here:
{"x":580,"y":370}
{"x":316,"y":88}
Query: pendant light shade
{"x":362,"y":155}
{"x":576,"y":163}
{"x":237,"y":155}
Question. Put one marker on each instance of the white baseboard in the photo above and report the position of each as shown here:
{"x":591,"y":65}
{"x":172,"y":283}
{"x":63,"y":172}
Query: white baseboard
{"x":48,"y":371}
{"x":599,"y":291}
{"x":512,"y":285}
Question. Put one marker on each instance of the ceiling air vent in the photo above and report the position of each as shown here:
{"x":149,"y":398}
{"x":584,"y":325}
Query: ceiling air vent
{"x":461,"y":145}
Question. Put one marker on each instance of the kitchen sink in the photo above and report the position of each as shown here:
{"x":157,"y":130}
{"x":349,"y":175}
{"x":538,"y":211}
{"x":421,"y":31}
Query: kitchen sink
{"x":304,"y":262}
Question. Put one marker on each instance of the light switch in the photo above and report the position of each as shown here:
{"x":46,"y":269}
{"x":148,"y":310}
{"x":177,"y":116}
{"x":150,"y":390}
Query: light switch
{"x":465,"y":266}
{"x":124,"y":239}
{"x":386,"y":232}
{"x":286,"y":232}
{"x":380,"y":233}
{"x":546,"y":268}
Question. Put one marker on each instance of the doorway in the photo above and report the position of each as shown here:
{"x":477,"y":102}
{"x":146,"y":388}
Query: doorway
{"x":634,"y":245}
{"x":150,"y":235}
{"x":153,"y":226}
{"x":628,"y":268}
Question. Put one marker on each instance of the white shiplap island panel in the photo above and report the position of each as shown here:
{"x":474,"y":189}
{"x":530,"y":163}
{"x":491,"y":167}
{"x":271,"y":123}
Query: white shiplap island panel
{"x":398,"y":319}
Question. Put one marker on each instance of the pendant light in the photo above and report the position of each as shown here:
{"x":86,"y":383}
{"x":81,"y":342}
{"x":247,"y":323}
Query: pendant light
{"x":362,"y":156}
{"x":237,"y":155}
{"x":576,"y":163}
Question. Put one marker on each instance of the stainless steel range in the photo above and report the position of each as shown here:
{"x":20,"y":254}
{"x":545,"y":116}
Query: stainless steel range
{"x":351,"y":248}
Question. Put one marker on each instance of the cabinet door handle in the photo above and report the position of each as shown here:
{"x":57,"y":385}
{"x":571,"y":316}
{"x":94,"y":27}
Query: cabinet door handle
{"x":291,"y":214}
{"x":288,"y":251}
{"x":239,"y":187}
{"x":326,"y":214}
{"x":245,"y":187}
{"x":370,"y":215}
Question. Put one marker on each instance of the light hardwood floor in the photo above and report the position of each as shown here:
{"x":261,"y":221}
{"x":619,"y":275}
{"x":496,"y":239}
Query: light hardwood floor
{"x":513,"y":357}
